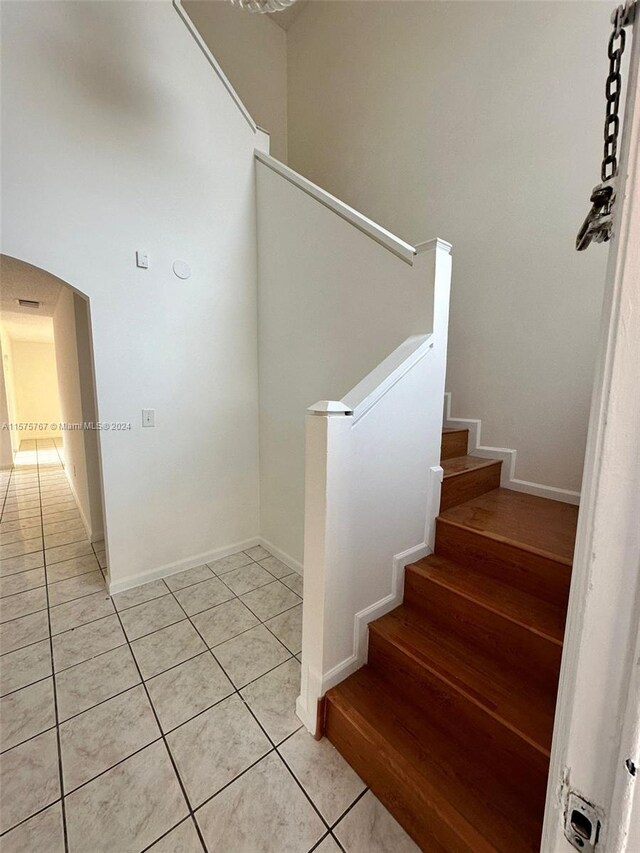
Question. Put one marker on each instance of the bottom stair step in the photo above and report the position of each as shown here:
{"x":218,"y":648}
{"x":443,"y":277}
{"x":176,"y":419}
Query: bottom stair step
{"x":426,"y":780}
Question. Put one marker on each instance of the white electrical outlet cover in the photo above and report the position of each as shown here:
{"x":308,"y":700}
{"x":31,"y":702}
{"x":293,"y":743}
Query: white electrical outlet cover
{"x":182,"y":269}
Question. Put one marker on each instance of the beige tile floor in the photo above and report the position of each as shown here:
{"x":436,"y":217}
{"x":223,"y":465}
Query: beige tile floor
{"x":162,"y":718}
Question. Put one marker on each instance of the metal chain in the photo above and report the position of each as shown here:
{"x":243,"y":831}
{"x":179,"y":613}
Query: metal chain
{"x":598,"y":226}
{"x":612,"y":91}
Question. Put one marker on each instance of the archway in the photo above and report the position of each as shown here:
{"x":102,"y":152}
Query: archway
{"x":50,"y":430}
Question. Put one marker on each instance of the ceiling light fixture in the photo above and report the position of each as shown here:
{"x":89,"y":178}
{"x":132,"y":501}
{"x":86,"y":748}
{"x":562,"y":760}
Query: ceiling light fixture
{"x":263,"y":6}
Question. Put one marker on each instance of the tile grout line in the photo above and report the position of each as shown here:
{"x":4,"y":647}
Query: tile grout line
{"x":112,"y":766}
{"x":61,"y":633}
{"x":162,"y":734}
{"x":6,"y":491}
{"x":276,"y":746}
{"x":142,"y":636}
{"x":31,"y":737}
{"x":235,"y":691}
{"x":124,"y":610}
{"x":189,"y":818}
{"x":41,"y":586}
{"x":342,"y":816}
{"x":250,"y":710}
{"x":31,"y":683}
{"x":192,"y":812}
{"x":24,"y":820}
{"x":53,"y":677}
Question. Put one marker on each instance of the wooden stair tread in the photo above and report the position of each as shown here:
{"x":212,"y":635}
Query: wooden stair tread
{"x":462,"y":464}
{"x":524,"y":708}
{"x":450,"y":722}
{"x":433,"y":770}
{"x":538,"y":525}
{"x":532,"y":613}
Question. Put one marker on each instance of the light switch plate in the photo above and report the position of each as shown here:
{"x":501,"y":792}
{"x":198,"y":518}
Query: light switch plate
{"x":142,"y":260}
{"x":148,"y":417}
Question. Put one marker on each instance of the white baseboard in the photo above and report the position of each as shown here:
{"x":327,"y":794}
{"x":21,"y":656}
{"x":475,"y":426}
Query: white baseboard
{"x":281,"y":555}
{"x":508,"y":480}
{"x":83,"y":517}
{"x":96,"y":536}
{"x":180,"y":565}
{"x":314,"y":684}
{"x":374,"y":611}
{"x":197,"y":560}
{"x":305,"y":715}
{"x":307,"y":701}
{"x":551,"y":492}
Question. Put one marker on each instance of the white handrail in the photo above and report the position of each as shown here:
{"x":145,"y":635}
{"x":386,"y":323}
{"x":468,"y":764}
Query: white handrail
{"x":370,"y":390}
{"x":399,"y":247}
{"x":177,"y":5}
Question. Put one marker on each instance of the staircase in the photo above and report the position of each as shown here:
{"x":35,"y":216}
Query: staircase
{"x":450,"y":721}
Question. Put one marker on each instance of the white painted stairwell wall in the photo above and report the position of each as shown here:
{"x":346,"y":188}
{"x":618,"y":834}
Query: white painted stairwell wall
{"x":333,"y":303}
{"x":118,"y":135}
{"x":481,"y":121}
{"x":252,"y":50}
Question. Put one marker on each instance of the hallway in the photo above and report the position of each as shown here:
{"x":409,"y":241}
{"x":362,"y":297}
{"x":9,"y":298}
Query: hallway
{"x":169,"y":702}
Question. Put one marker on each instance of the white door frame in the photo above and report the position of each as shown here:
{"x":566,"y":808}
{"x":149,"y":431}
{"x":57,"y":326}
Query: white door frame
{"x":597,"y":727}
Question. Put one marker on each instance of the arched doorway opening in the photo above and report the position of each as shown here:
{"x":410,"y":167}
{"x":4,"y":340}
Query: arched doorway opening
{"x":51,"y":481}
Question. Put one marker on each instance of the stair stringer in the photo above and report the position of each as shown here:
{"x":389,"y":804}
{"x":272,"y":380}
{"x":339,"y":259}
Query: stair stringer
{"x":508,"y":480}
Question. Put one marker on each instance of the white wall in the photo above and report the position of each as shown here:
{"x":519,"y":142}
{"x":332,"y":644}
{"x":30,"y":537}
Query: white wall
{"x":481,"y":122}
{"x":80,"y":447}
{"x":252,"y":51}
{"x":86,"y":379}
{"x":117,"y":136}
{"x":6,"y":446}
{"x":35,"y":385}
{"x":7,"y":375}
{"x":333,"y":303}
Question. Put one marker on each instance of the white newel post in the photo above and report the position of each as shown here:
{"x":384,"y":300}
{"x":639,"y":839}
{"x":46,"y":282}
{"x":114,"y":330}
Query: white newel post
{"x":327,"y":458}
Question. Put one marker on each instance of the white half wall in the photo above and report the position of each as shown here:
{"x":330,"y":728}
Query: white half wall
{"x":119,"y":136}
{"x":481,"y":121}
{"x":333,"y":303}
{"x":372,"y":493}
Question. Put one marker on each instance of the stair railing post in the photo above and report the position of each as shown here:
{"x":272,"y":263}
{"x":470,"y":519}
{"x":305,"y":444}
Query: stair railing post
{"x":326,"y":551}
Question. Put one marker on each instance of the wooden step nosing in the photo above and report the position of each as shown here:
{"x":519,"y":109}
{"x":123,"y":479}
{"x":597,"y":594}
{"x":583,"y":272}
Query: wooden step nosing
{"x":487,"y":463}
{"x":396,"y":760}
{"x":459,"y":689}
{"x":520,"y":546}
{"x":454,"y":590}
